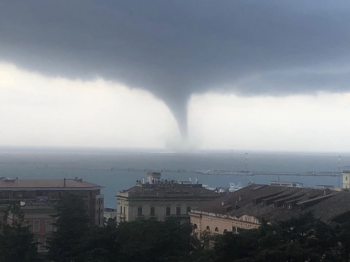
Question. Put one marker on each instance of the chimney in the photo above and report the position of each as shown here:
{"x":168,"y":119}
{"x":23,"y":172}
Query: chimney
{"x":64,"y":182}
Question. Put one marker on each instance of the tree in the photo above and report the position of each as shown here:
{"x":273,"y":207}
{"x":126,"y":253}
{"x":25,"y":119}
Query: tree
{"x":150,"y":240}
{"x":102,"y":244}
{"x":297,"y":239}
{"x":202,"y":251}
{"x":71,"y":228}
{"x":342,"y":234}
{"x":236,"y":247}
{"x":16,"y":240}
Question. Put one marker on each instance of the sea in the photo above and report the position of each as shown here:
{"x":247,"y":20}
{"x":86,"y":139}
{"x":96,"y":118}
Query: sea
{"x":118,"y":169}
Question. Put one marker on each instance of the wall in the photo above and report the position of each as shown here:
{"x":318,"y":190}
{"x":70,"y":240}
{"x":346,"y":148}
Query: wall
{"x":346,"y":180}
{"x":219,"y":225}
{"x":160,"y":205}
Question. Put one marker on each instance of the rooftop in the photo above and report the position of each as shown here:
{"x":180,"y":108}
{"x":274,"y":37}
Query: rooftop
{"x":169,"y":190}
{"x":9,"y":184}
{"x":280,"y":203}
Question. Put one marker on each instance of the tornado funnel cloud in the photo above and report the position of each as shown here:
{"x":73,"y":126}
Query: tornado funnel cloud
{"x":178,"y":105}
{"x":174,"y":49}
{"x":181,"y":115}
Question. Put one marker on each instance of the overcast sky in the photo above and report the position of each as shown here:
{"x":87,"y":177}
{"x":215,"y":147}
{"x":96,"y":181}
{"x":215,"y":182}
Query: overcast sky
{"x":179,"y":75}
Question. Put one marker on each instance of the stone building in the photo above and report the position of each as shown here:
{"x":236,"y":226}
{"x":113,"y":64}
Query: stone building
{"x":247,"y":207}
{"x":160,"y":199}
{"x":110,"y":213}
{"x":346,"y":179}
{"x":38,"y":196}
{"x":50,"y":191}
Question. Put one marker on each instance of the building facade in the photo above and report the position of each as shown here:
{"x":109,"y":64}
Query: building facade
{"x":50,"y":191}
{"x":346,"y":179}
{"x":38,"y":216}
{"x":37,"y":199}
{"x":286,"y":183}
{"x":110,"y":213}
{"x":160,"y":199}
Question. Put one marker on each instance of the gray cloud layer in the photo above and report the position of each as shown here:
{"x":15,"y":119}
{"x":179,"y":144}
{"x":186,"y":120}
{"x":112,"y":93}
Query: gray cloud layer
{"x":177,"y":48}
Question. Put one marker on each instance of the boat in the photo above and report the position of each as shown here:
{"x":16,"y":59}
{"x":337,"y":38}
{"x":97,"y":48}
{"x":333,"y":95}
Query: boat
{"x":233,"y":187}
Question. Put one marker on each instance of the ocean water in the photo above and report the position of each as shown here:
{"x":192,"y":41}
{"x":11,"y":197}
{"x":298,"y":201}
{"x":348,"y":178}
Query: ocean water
{"x":119,"y":169}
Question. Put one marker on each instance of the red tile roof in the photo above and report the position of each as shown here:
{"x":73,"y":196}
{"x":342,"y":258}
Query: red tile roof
{"x":6,"y":184}
{"x":280,"y":203}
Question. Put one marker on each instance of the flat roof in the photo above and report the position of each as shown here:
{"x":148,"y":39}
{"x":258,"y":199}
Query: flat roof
{"x":10,"y":184}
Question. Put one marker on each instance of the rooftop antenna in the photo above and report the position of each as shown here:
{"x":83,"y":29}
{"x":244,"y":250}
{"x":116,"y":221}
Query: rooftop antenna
{"x":339,"y":161}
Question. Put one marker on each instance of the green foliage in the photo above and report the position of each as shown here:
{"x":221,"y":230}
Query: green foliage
{"x":101,"y":244}
{"x":236,"y":247}
{"x":72,"y":225}
{"x":151,"y":240}
{"x":138,"y":241}
{"x":16,"y":240}
{"x":303,"y":239}
{"x":295,"y":240}
{"x":342,"y":235}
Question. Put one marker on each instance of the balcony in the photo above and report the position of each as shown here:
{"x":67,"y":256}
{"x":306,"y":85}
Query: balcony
{"x":42,"y":198}
{"x":178,"y":215}
{"x":121,"y":215}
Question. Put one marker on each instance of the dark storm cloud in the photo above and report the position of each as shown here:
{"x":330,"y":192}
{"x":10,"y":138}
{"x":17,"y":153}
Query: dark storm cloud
{"x":177,"y":48}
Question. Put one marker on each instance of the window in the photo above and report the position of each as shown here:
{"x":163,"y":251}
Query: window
{"x":48,"y":225}
{"x":37,"y":240}
{"x":168,"y":211}
{"x":43,"y":244}
{"x":178,"y":210}
{"x":124,"y":210}
{"x":208,"y":228}
{"x":121,"y":209}
{"x":225,"y":231}
{"x":139,"y":211}
{"x":216,"y":229}
{"x":36,"y":226}
{"x":153,"y":211}
{"x":188,"y":209}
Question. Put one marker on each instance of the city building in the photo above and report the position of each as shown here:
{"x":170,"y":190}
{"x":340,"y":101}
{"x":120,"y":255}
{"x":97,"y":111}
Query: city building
{"x":346,"y":179}
{"x":38,"y":196}
{"x":247,"y":207}
{"x":159,"y":199}
{"x":50,"y":190}
{"x":110,"y":213}
{"x":38,"y":215}
{"x":330,"y":187}
{"x":286,"y":183}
